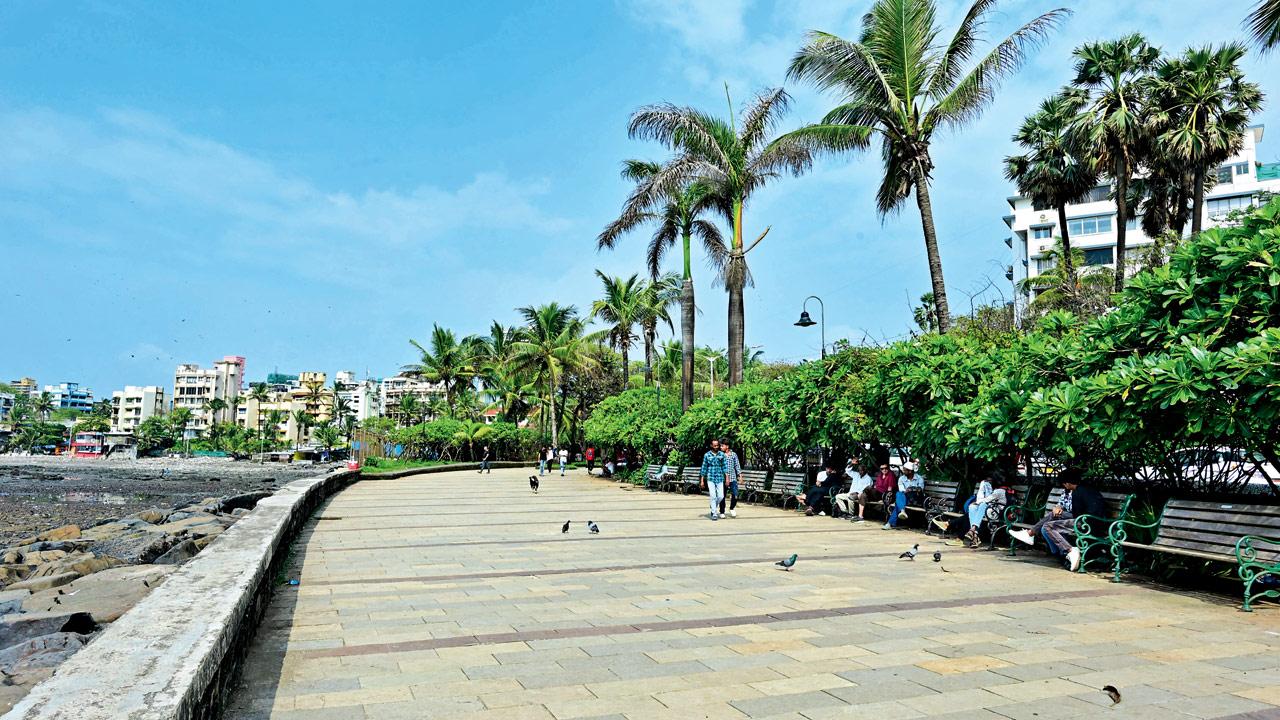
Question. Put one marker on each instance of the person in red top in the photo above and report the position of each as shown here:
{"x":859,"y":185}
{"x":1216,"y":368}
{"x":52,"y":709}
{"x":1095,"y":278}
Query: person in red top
{"x":591,"y":458}
{"x":883,"y":489}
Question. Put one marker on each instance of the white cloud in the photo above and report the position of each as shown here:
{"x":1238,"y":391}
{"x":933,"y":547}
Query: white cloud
{"x":130,"y":170}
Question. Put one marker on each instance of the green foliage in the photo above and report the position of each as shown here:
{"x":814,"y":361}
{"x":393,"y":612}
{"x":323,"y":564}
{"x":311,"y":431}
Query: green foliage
{"x":633,"y":419}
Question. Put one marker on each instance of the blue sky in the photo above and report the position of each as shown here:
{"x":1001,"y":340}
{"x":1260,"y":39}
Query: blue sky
{"x":309,"y":185}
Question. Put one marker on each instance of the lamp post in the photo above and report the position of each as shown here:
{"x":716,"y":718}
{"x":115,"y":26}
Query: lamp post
{"x":806,"y":321}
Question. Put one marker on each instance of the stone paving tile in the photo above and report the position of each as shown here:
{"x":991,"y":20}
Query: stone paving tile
{"x":417,"y":603}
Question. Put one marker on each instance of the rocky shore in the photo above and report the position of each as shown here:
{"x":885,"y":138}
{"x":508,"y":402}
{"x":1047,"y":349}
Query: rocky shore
{"x":60,"y":586}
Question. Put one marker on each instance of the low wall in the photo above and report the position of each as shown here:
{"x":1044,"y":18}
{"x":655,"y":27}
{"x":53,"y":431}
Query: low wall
{"x":451,"y":467}
{"x":176,"y":654}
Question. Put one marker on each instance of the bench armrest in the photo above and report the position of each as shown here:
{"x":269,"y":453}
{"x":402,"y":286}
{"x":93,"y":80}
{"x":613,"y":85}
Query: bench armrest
{"x":1084,"y":525}
{"x":1118,"y":534}
{"x":1247,"y":552}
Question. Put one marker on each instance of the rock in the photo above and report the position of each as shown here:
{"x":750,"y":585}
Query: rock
{"x":66,"y":532}
{"x":244,"y":501}
{"x":19,"y":627}
{"x":79,"y":563}
{"x":180,"y":553}
{"x":114,"y":529}
{"x":154,"y":516}
{"x":196,"y":524}
{"x":177,"y":515}
{"x":137,"y":547}
{"x":40,"y":652}
{"x":44,"y":583}
{"x":239,"y":512}
{"x":11,"y":600}
{"x":39,"y":557}
{"x":104,"y":595}
{"x":10,"y":573}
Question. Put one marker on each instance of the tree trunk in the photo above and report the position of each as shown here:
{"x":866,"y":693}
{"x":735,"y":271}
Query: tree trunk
{"x":686,"y":343}
{"x":649,"y":332}
{"x":1122,"y":216}
{"x":735,"y":278}
{"x":551,"y":396}
{"x":1068,"y":266}
{"x":1197,"y":203}
{"x":625,"y":347}
{"x":941,"y":307}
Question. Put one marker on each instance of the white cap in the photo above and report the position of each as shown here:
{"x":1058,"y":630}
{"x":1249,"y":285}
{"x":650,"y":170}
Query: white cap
{"x":909,"y":466}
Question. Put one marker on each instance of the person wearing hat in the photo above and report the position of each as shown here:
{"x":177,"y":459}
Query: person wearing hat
{"x":908,"y":483}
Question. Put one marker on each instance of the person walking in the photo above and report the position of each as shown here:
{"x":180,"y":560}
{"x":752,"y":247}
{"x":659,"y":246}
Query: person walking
{"x":484,"y":461}
{"x":712,"y":475}
{"x":564,"y":460}
{"x":544,"y":458}
{"x":732,"y":474}
{"x":591,"y":459}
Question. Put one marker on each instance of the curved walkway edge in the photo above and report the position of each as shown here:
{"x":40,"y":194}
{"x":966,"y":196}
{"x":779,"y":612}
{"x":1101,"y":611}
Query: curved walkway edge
{"x":175,"y":655}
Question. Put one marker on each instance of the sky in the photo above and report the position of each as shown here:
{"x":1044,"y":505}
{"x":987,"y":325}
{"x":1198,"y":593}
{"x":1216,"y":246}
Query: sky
{"x":310,"y":185}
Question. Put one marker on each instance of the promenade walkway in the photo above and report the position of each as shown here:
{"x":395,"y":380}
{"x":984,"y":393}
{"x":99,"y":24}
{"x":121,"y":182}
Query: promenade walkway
{"x":457,"y":596}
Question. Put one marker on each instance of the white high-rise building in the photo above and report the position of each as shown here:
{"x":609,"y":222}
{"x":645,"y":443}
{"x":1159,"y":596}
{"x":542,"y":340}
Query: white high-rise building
{"x":194,"y":386}
{"x":1091,"y":222}
{"x":394,"y":389}
{"x":129,"y":407}
{"x":361,"y":395}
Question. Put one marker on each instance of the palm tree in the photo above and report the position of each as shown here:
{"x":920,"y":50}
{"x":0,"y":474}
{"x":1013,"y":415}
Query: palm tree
{"x":342,"y":411}
{"x":1117,"y":75}
{"x":1056,"y":169}
{"x":553,"y":341}
{"x":233,"y":404}
{"x":656,"y":298}
{"x":302,"y":420}
{"x":472,"y":433}
{"x":1089,"y":294}
{"x":620,"y":308}
{"x":274,"y":418}
{"x":1264,"y":24}
{"x":43,"y":404}
{"x":214,"y":406}
{"x":327,"y":435}
{"x":1202,"y":109}
{"x":448,"y":362}
{"x":731,"y":162}
{"x":676,"y":215}
{"x":259,"y":394}
{"x":898,"y":81}
{"x":409,"y":409}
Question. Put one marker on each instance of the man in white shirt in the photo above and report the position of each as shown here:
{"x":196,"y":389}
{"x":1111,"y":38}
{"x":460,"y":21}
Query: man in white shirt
{"x":860,"y":480}
{"x":908,"y":483}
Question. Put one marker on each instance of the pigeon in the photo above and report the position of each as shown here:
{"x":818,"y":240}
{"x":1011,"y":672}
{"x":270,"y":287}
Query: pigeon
{"x":937,"y":556}
{"x":565,"y":528}
{"x":788,"y":563}
{"x":594,"y":528}
{"x":533,"y":483}
{"x":910,"y":554}
{"x":1113,"y":692}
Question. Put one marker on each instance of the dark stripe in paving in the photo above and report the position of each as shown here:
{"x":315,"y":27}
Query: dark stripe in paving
{"x":604,"y":520}
{"x":723,"y":621}
{"x":575,"y":571}
{"x":427,"y":509}
{"x":571,"y":538}
{"x":1268,"y":714}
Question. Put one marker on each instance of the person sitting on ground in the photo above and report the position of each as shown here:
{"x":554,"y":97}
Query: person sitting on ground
{"x":909,"y":487}
{"x":830,"y":482}
{"x":859,"y":481}
{"x":1077,"y":500}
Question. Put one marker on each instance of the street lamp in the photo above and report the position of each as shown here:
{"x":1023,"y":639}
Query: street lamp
{"x":806,"y":321}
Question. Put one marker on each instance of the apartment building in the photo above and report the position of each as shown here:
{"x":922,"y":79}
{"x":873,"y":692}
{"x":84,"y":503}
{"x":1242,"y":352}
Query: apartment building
{"x":395,"y":388}
{"x":70,"y":396}
{"x":131,"y":406}
{"x":194,"y":387}
{"x":361,"y":395}
{"x":24,"y":386}
{"x":1091,"y":222}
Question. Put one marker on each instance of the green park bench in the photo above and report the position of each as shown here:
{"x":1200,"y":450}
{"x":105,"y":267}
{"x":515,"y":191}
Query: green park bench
{"x":753,"y":485}
{"x":690,"y":480}
{"x":1247,"y":536}
{"x":786,"y":486}
{"x":1089,"y":531}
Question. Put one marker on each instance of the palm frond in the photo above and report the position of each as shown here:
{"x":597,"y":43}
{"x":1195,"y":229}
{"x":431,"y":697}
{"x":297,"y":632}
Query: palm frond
{"x":1264,"y":24}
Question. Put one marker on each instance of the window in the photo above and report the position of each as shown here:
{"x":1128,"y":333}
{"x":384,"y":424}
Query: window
{"x":1224,"y":175}
{"x":1042,"y":233}
{"x":1242,"y":168}
{"x":1218,"y":208}
{"x":1099,"y":256}
{"x":1091,"y":225}
{"x":1132,"y":223}
{"x":1044,"y":265}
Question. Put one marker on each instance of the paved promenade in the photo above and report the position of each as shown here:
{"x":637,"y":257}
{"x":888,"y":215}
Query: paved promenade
{"x":457,"y":596}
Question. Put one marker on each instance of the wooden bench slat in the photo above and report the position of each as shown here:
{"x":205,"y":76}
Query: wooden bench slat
{"x":1181,"y":551}
{"x":1237,"y":528}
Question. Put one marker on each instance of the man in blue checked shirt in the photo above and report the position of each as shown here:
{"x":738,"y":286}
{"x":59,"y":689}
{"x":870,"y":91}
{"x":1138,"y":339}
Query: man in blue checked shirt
{"x":712,"y":476}
{"x":732,"y":475}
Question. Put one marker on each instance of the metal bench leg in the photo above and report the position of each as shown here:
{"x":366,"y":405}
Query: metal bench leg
{"x":1117,"y":551}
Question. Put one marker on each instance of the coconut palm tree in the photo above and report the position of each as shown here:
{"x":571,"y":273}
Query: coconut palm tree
{"x":1117,"y":76}
{"x":1202,"y":107}
{"x":409,"y":409}
{"x":1055,"y":169}
{"x":676,"y":215}
{"x":1264,"y":24}
{"x":43,"y":404}
{"x":620,"y":309}
{"x":554,"y":340}
{"x":656,"y":298}
{"x":302,"y":420}
{"x":730,"y":159}
{"x":449,"y":362}
{"x":214,"y":406}
{"x":274,"y":418}
{"x":901,"y":81}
